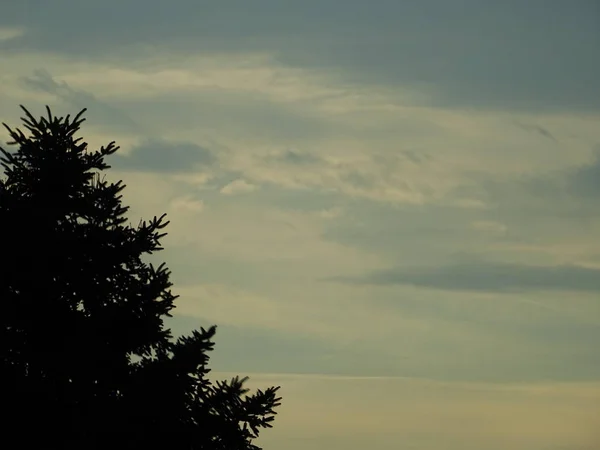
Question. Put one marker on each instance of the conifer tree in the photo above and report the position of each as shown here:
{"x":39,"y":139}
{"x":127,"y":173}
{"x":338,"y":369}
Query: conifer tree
{"x":86,"y":359}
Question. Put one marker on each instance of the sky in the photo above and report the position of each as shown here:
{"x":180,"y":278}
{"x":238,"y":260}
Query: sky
{"x":389,"y":208}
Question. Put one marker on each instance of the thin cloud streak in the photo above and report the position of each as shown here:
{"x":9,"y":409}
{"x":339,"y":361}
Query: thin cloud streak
{"x":485,"y":276}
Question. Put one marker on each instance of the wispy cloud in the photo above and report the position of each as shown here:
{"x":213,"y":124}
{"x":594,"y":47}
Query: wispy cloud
{"x":294,"y":157}
{"x":153,"y":155}
{"x":490,"y":277}
{"x":43,"y":81}
{"x":238,"y":186}
{"x":535,"y":128}
{"x":7,"y":32}
{"x":585,"y":180}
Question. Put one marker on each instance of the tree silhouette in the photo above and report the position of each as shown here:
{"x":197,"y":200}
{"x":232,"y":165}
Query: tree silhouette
{"x":85,"y":357}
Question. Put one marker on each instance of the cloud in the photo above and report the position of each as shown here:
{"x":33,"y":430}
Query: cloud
{"x":544,"y":132}
{"x":366,"y":146}
{"x":422,"y":234}
{"x":585,"y":180}
{"x":98,"y":111}
{"x":488,"y":226}
{"x":331,"y":213}
{"x":156,"y":155}
{"x":482,"y":55}
{"x":8,"y":33}
{"x":256,"y":349}
{"x":568,"y":192}
{"x":230,"y":306}
{"x":394,"y":177}
{"x":188,"y":204}
{"x":489,"y":277}
{"x":429,"y":337}
{"x":235,"y":114}
{"x":238,"y":186}
{"x":294,"y":157}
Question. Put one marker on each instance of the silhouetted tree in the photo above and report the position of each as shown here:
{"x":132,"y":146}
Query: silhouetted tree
{"x":85,"y":358}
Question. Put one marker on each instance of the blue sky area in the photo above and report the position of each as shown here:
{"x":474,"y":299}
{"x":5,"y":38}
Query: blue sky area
{"x":390,"y":208}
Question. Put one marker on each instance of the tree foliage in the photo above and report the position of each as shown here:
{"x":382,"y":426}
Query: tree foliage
{"x":85,"y":355}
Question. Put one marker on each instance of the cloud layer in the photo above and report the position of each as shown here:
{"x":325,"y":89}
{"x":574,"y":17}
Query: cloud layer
{"x":491,"y":277}
{"x":386,"y":189}
{"x":475,"y":54}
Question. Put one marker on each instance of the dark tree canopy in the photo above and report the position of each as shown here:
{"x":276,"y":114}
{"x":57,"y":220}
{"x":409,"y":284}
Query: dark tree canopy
{"x":86,"y":360}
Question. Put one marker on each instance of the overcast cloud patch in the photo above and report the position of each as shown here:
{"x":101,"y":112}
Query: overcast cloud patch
{"x":156,"y":155}
{"x":585,"y":181}
{"x":482,"y":54}
{"x":98,"y":111}
{"x":488,"y":277}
